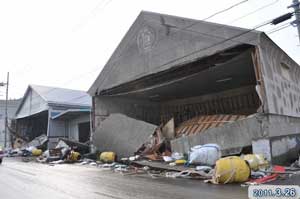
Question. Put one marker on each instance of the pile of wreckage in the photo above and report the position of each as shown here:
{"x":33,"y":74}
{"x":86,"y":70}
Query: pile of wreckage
{"x":155,"y":157}
{"x":65,"y":151}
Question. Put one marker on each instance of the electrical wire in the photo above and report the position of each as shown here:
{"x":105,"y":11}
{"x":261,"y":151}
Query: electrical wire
{"x":225,"y":10}
{"x":278,"y":29}
{"x":255,"y":11}
{"x":179,"y":29}
{"x":218,"y":43}
{"x":70,"y":80}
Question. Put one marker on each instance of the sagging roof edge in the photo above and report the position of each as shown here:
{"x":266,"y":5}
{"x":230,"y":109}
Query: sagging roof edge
{"x":68,"y":105}
{"x":24,"y":98}
{"x":147,"y":16}
{"x":70,"y":111}
{"x":95,"y":88}
{"x":49,"y":103}
{"x":41,"y":111}
{"x":177,"y":66}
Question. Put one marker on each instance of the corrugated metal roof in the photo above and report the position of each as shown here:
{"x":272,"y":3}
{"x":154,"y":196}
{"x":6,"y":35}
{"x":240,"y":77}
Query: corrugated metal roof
{"x":53,"y":96}
{"x":202,"y":123}
{"x":63,"y":96}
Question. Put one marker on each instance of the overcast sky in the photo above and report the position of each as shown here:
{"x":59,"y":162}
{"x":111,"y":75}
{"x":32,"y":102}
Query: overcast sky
{"x":66,"y":43}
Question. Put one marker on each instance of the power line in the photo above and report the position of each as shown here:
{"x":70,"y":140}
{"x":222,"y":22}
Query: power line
{"x":78,"y":97}
{"x":216,"y":44}
{"x":278,"y":29}
{"x":179,"y":29}
{"x":224,"y":10}
{"x":278,"y":26}
{"x":102,"y":5}
{"x":207,"y":34}
{"x":230,"y":38}
{"x":255,"y":11}
{"x":221,"y":42}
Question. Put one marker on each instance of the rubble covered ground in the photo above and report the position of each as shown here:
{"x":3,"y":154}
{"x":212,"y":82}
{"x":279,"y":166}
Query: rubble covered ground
{"x":34,"y":180}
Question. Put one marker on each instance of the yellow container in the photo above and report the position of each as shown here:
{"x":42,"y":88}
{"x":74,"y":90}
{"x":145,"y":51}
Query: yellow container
{"x":177,"y":162}
{"x":74,"y":156}
{"x":231,"y":169}
{"x":37,"y":152}
{"x":107,"y":156}
{"x":256,"y":161}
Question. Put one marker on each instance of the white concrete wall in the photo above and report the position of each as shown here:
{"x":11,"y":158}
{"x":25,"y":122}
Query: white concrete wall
{"x":281,"y":79}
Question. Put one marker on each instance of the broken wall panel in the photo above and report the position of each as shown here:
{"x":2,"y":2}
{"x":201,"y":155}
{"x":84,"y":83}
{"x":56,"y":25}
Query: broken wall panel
{"x":138,"y":109}
{"x":33,"y":126}
{"x":202,"y":123}
{"x":187,"y":75}
{"x":281,"y":78}
{"x":122,"y":135}
{"x":243,"y":101}
{"x":229,"y":137}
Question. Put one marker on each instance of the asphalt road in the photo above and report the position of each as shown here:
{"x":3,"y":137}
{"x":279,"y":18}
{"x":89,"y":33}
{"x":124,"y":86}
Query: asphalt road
{"x":20,"y":180}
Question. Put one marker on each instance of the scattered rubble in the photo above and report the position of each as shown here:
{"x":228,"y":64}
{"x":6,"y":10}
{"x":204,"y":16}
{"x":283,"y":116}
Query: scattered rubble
{"x":154,"y":158}
{"x":38,"y":142}
{"x":80,"y":147}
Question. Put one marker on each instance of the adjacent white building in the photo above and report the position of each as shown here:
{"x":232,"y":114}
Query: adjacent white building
{"x":56,"y":112}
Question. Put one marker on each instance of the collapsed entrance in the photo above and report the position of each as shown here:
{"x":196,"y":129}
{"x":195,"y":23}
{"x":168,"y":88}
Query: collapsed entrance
{"x":33,"y":126}
{"x":84,"y":131}
{"x":219,"y":85}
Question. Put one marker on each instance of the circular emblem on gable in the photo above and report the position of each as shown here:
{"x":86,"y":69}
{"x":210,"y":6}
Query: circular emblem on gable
{"x":146,"y":39}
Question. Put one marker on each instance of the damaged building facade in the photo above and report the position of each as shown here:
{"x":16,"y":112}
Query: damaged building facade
{"x":221,"y":84}
{"x":55,"y":112}
{"x":12,"y":106}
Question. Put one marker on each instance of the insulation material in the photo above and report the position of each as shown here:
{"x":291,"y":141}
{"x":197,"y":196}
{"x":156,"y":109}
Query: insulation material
{"x":202,"y":123}
{"x":122,"y":135}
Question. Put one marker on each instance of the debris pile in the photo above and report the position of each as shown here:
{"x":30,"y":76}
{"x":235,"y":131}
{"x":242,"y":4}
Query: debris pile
{"x":206,"y":162}
{"x":33,"y":148}
{"x":150,"y":153}
{"x":66,"y":151}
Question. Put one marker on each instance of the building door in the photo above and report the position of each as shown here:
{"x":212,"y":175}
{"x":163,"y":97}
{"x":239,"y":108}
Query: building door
{"x":84,"y":131}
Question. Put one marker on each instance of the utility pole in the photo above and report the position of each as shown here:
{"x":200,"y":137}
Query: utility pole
{"x":6,"y":118}
{"x":296,"y":23}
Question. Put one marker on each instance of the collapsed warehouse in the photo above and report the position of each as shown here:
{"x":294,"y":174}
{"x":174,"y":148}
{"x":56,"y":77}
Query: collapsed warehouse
{"x":54,"y":112}
{"x":221,"y":84}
